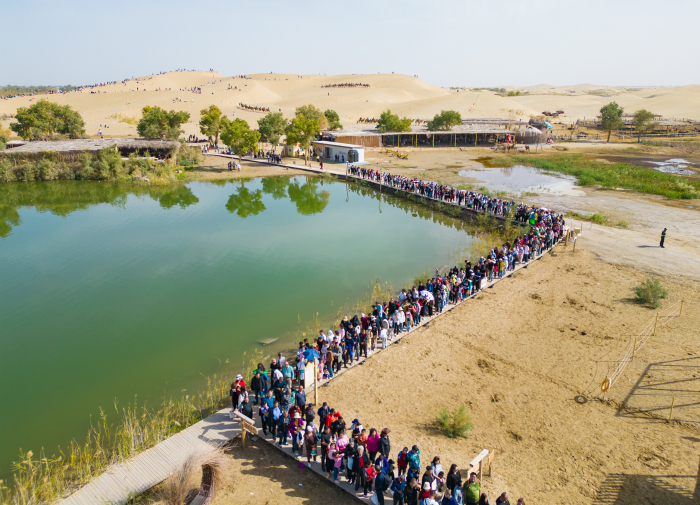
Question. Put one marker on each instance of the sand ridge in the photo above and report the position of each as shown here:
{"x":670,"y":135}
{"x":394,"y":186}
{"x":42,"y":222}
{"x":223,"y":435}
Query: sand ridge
{"x":406,"y":95}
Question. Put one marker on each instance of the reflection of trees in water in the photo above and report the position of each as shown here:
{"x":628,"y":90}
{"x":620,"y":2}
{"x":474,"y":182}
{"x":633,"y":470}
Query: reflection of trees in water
{"x":275,"y":186}
{"x":61,"y":198}
{"x":181,"y":196}
{"x":309,"y":198}
{"x":246,"y":202}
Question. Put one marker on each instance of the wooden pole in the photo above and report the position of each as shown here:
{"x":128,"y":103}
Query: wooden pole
{"x":681,"y":309}
{"x":244,"y":434}
{"x":655,"y":323}
{"x":634,"y":348}
{"x":316,"y":381}
{"x":670,"y":414}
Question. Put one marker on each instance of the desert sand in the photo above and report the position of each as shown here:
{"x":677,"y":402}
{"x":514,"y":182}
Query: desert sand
{"x":408,"y":96}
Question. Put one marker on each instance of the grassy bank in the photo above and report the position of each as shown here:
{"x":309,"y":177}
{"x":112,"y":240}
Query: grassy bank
{"x":589,"y":172}
{"x":42,"y":478}
{"x":104,"y":165}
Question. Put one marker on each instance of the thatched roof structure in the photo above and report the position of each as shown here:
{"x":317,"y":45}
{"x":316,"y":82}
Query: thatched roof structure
{"x":69,"y":150}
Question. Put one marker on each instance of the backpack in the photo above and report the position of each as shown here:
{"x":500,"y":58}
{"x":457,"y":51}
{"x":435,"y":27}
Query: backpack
{"x":385,"y":484}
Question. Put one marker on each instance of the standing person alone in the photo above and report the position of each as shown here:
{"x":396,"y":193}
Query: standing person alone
{"x":663,"y":237}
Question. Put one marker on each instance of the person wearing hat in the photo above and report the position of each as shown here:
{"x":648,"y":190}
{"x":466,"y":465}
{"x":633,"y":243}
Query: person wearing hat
{"x":663,"y":237}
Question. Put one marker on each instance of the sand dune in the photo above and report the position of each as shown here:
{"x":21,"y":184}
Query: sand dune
{"x":405,"y":95}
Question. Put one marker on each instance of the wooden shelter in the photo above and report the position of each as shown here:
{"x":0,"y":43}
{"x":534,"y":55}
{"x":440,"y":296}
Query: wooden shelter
{"x":71,"y":150}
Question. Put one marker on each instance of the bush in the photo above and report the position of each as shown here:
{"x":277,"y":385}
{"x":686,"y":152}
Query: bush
{"x":650,"y":292}
{"x":455,"y":423}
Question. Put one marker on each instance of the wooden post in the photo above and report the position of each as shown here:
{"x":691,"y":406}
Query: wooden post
{"x":655,"y":323}
{"x":316,"y":382}
{"x":574,"y":244}
{"x":634,"y":348}
{"x":244,"y":434}
{"x":681,"y":309}
{"x":432,"y":136}
{"x":670,"y":414}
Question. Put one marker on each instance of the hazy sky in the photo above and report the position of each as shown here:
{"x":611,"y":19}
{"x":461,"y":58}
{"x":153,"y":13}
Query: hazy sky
{"x":444,"y":42}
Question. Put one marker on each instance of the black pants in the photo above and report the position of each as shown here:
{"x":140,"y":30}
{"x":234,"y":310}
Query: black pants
{"x":662,"y":241}
{"x":272,"y":426}
{"x":363,"y":349}
{"x":398,"y":501}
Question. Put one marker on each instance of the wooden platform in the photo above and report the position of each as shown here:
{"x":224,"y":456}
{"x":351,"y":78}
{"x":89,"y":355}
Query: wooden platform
{"x":154,"y":465}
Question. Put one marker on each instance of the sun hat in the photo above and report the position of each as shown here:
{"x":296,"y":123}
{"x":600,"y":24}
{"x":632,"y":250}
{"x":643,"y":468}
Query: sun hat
{"x":426,"y":486}
{"x":355,"y":421}
{"x":239,"y":377}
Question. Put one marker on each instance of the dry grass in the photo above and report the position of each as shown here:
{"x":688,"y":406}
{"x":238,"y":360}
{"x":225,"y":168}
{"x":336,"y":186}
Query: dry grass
{"x":183,"y":485}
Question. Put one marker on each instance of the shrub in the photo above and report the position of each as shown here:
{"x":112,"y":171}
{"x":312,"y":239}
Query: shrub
{"x":650,"y":292}
{"x":622,"y":224}
{"x":599,"y":218}
{"x":454,"y":423}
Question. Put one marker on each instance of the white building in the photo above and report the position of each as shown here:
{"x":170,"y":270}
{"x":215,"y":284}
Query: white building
{"x":339,"y":152}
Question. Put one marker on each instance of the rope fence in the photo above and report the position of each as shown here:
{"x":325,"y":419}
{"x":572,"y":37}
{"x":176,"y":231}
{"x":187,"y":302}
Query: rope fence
{"x":639,"y":341}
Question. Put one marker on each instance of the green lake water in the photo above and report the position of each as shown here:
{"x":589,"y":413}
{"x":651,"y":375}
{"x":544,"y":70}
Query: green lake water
{"x":115,"y":290}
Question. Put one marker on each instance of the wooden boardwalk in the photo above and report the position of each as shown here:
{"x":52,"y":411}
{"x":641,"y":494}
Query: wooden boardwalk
{"x":154,"y":465}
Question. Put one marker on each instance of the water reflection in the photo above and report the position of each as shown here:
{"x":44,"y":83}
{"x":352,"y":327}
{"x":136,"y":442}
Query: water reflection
{"x":309,"y":198}
{"x":275,"y":186}
{"x":246,"y":202}
{"x":181,"y":196}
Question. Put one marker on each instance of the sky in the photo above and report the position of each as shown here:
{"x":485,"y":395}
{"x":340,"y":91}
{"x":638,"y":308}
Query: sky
{"x":444,"y":42}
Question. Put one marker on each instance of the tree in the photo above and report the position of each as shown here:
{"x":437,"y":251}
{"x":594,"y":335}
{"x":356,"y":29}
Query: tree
{"x":611,"y":118}
{"x":272,"y":127}
{"x":4,"y":138}
{"x":333,"y":120}
{"x":238,"y":136}
{"x":210,"y":122}
{"x":389,"y":122}
{"x":446,"y":120}
{"x":47,"y":119}
{"x":643,"y":122}
{"x":302,"y":131}
{"x":157,"y":123}
{"x":312,"y":112}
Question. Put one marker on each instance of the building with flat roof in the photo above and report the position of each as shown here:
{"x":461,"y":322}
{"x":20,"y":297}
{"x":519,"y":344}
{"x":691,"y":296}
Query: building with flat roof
{"x":472,"y":132}
{"x":339,"y":151}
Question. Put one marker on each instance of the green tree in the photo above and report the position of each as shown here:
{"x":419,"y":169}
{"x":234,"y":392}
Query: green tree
{"x":210,"y":122}
{"x":643,"y":122}
{"x":245,"y":202}
{"x":302,"y":131}
{"x":611,"y":118}
{"x":272,"y":127}
{"x":389,"y":122}
{"x":238,"y":136}
{"x":446,"y":120}
{"x":157,"y":123}
{"x":333,"y":120}
{"x":46,"y":119}
{"x":4,"y":138}
{"x":312,"y":112}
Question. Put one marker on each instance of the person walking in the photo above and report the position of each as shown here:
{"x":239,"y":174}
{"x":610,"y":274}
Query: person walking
{"x":663,"y":237}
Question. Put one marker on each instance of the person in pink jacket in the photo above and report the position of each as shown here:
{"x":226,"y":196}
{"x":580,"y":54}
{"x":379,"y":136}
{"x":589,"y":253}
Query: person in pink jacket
{"x":373,"y":444}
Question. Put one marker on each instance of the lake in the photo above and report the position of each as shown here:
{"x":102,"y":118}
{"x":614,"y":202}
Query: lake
{"x":108,"y":291}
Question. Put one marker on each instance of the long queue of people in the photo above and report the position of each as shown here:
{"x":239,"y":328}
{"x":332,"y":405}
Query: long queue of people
{"x":360,"y":457}
{"x":472,"y":200}
{"x":363,"y":456}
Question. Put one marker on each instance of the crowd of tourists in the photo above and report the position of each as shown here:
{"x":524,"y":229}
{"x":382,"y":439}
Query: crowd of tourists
{"x":346,"y":85}
{"x":362,"y":457}
{"x":365,"y":120}
{"x":539,"y":217}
